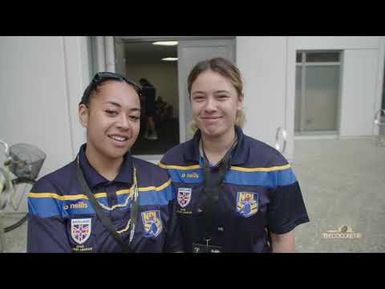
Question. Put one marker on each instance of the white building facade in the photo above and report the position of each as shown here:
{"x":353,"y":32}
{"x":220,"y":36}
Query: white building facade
{"x":42,"y":80}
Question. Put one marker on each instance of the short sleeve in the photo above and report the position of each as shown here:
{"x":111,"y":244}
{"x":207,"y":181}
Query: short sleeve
{"x":287,"y":208}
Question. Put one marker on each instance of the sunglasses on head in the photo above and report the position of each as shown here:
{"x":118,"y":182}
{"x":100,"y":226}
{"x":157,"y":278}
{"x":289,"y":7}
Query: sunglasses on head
{"x":105,"y":76}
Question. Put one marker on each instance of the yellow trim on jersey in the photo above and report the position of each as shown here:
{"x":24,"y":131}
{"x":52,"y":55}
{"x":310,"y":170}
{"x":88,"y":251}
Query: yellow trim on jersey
{"x":63,"y":198}
{"x":123,"y":192}
{"x":235,"y":168}
{"x":271,"y":169}
{"x":98,"y":195}
{"x":153,"y":188}
{"x":174,"y":167}
{"x":56,"y":196}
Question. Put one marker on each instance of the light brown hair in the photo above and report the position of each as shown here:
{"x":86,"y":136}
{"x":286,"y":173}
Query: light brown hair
{"x":225,"y":68}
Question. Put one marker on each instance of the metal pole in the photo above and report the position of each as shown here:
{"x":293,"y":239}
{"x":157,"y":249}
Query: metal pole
{"x":379,"y":120}
{"x":2,"y":233}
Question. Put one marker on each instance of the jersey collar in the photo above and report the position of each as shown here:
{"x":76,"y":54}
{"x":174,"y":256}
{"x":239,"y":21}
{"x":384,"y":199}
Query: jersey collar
{"x":94,"y":179}
{"x":240,"y":155}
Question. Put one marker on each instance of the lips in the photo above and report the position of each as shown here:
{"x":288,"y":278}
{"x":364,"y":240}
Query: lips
{"x":210,"y":120}
{"x":211,"y":117}
{"x":118,"y":138}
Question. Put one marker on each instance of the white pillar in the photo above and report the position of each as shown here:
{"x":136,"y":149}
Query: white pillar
{"x":100,"y":54}
{"x":109,"y":53}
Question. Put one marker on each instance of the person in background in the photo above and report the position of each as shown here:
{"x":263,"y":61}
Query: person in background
{"x":149,"y":94}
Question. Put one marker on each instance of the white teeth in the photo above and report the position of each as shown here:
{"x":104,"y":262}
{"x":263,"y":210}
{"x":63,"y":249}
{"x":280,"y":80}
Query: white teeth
{"x":118,"y":138}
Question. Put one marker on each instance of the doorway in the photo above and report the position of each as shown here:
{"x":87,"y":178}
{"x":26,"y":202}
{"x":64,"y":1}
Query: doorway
{"x":141,"y":59}
{"x":165,"y":62}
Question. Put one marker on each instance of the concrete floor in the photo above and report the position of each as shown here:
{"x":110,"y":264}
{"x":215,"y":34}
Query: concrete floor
{"x":13,"y":241}
{"x":343,"y":184}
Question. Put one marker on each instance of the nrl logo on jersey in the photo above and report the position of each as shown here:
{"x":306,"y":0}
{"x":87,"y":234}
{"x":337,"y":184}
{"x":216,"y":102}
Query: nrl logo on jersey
{"x":80,"y":230}
{"x":152,"y":223}
{"x":184,"y":196}
{"x":247,"y":203}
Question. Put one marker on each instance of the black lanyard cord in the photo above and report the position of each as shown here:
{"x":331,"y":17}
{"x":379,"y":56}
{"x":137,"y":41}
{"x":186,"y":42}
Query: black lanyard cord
{"x":211,"y":187}
{"x":106,"y":221}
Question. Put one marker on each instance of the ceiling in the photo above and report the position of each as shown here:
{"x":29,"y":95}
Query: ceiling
{"x":145,"y":52}
{"x":139,"y":49}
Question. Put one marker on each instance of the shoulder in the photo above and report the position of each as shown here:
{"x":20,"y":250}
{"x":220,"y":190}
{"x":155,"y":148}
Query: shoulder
{"x":175,"y":155}
{"x":153,"y":181}
{"x":150,"y":174}
{"x":263,"y":154}
{"x":145,"y":166}
{"x":56,"y":181}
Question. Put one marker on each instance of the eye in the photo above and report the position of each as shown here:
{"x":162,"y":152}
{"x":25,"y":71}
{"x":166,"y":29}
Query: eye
{"x":134,"y":118}
{"x":198,"y":98}
{"x":111,"y":112}
{"x":222,"y":96}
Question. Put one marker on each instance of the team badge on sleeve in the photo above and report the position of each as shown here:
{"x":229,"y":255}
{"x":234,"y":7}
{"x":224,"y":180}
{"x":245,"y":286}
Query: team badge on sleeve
{"x":184,"y":196}
{"x":152,"y":223}
{"x":247,"y":203}
{"x":80,"y":230}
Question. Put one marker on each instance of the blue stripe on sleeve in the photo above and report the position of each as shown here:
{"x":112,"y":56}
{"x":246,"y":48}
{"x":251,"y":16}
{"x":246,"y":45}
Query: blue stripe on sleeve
{"x":271,"y":179}
{"x":153,"y":197}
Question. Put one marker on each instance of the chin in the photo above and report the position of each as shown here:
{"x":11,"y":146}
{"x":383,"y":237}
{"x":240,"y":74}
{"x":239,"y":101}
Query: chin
{"x":216,"y":131}
{"x":115,"y":153}
{"x":212,"y":132}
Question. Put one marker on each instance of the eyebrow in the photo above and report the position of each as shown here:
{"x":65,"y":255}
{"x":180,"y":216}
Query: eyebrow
{"x":220,"y":91}
{"x":198,"y":91}
{"x":118,"y":105}
{"x":217,"y":91}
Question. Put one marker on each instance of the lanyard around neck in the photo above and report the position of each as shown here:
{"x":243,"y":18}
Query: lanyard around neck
{"x":99,"y":211}
{"x":211,"y":187}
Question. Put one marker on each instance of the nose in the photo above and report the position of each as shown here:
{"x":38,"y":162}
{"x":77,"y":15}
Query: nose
{"x":123,"y":122}
{"x":210,"y":104}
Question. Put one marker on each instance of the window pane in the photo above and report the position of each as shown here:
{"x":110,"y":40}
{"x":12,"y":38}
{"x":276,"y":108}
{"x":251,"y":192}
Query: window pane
{"x":299,"y":57}
{"x":322,"y":57}
{"x":321,"y":98}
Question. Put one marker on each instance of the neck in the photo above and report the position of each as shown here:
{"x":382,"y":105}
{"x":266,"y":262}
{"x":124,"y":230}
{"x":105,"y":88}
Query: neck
{"x":106,"y":167}
{"x":216,"y":147}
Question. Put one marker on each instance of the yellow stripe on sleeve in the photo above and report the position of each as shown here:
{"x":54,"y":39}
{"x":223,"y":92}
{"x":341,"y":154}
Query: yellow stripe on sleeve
{"x":183,"y":168}
{"x":270,"y":169}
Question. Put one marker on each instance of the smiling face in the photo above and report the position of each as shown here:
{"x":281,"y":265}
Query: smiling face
{"x":215,"y":103}
{"x":112,"y":119}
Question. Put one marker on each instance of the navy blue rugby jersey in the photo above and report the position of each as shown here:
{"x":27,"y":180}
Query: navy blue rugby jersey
{"x":259,"y":194}
{"x":61,"y":218}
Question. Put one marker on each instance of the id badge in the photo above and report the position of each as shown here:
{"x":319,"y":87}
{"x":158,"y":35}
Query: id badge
{"x":204,"y":248}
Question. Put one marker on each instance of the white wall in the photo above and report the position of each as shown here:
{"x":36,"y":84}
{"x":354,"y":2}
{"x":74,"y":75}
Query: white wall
{"x":358,"y":92}
{"x":335,"y":42}
{"x":361,"y":86}
{"x":268,"y":68}
{"x":41,"y":80}
{"x":78,"y":75}
{"x":162,"y":75}
{"x":263,"y":64}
